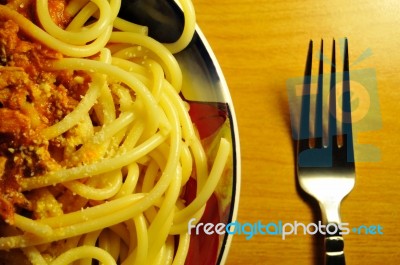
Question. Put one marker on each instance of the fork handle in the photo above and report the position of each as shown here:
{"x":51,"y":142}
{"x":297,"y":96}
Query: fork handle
{"x":334,"y":250}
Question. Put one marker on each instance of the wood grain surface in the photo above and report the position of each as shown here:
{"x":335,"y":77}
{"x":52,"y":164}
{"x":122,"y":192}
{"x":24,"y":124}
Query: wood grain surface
{"x":260,"y":45}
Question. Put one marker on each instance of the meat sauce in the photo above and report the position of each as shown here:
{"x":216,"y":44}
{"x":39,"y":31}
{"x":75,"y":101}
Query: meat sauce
{"x":31,"y":99}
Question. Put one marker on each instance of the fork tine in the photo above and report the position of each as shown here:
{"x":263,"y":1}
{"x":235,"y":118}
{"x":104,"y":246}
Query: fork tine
{"x":318,"y":105}
{"x":309,"y":60}
{"x":332,"y":100}
{"x":346,"y":107}
{"x":304,"y":129}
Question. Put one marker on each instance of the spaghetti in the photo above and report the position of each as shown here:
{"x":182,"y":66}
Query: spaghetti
{"x":96,"y":145}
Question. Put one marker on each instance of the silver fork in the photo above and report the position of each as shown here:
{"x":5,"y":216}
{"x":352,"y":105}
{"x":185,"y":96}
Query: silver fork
{"x":325,"y":156}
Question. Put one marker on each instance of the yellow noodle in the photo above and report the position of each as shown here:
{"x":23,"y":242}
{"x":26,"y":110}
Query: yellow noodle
{"x":209,"y":186}
{"x":74,"y":117}
{"x":183,"y":249}
{"x":105,"y":109}
{"x":68,"y":49}
{"x":164,"y":216}
{"x":189,"y":136}
{"x":84,"y":252}
{"x":109,"y":243}
{"x":157,"y":80}
{"x":172,"y":70}
{"x":186,"y":163}
{"x":103,"y":221}
{"x":150,"y":176}
{"x":92,"y":212}
{"x":111,"y":129}
{"x":80,"y":37}
{"x":179,"y":228}
{"x":69,"y":243}
{"x":122,"y":231}
{"x":90,"y":240}
{"x":157,"y":242}
{"x":74,"y":6}
{"x":140,"y":255}
{"x":188,"y":29}
{"x":188,"y":132}
{"x":127,"y":26}
{"x":31,"y":226}
{"x":103,"y":166}
{"x":90,"y":65}
{"x":115,"y":244}
{"x":165,"y":255}
{"x":131,"y":52}
{"x":34,"y":256}
{"x":133,"y":234}
{"x":79,"y":19}
{"x":129,"y":185}
{"x":105,"y":57}
{"x":129,"y":66}
{"x":113,"y":185}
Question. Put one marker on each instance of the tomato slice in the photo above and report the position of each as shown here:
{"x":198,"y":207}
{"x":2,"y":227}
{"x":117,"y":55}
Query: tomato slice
{"x":207,"y":116}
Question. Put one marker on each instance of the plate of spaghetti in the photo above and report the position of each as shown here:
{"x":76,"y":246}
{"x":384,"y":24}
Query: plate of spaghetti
{"x":117,"y":135}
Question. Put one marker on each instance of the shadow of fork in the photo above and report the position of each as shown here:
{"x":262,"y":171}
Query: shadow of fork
{"x":317,"y":239}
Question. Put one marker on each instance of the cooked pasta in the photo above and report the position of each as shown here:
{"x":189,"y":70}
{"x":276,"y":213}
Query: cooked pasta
{"x":96,"y":144}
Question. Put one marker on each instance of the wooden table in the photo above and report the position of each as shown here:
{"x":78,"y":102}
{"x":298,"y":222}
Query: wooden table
{"x":262,"y":44}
